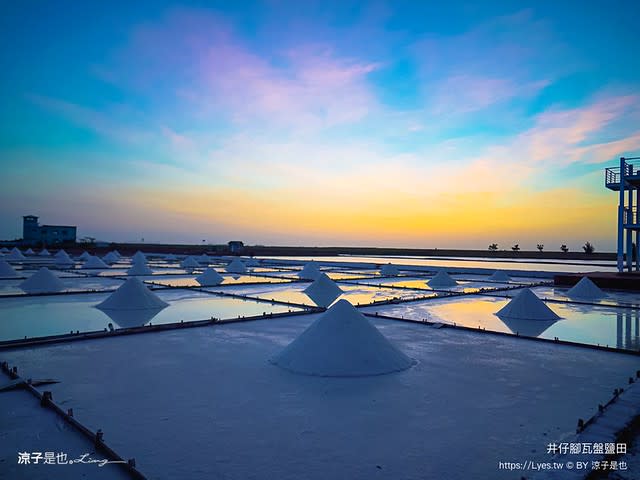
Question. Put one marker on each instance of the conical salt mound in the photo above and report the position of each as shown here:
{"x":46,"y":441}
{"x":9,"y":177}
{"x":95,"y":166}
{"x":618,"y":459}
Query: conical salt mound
{"x":117,"y":254}
{"x":442,"y":280}
{"x":43,"y":281}
{"x":527,"y":306}
{"x":139,"y":268}
{"x":236,"y":266}
{"x":204,"y":259}
{"x":323,"y":291}
{"x":342,"y":343}
{"x":132,"y":295}
{"x":84,"y":256}
{"x":15,"y":254}
{"x":30,"y":252}
{"x":62,"y":259}
{"x":190,"y":262}
{"x":110,"y":258}
{"x":138,"y":257}
{"x":209,"y":278}
{"x":94,"y":263}
{"x":500,"y":276}
{"x":7,"y":271}
{"x":389,"y":270}
{"x":585,"y":289}
{"x":44,"y":253}
{"x":4,"y":250}
{"x":310,"y":271}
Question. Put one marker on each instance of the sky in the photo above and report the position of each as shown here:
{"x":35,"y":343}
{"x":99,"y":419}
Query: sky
{"x":404,"y":123}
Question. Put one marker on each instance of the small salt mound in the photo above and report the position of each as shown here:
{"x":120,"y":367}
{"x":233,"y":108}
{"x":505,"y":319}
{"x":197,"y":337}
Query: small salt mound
{"x":85,"y":256}
{"x":310,"y":271}
{"x":6,"y":270}
{"x":110,"y":258}
{"x":30,"y":252}
{"x":132,"y":295}
{"x":94,"y":263}
{"x":204,"y":259}
{"x":585,"y":289}
{"x":236,"y":266}
{"x":138,"y":257}
{"x":190,"y":262}
{"x":44,"y":253}
{"x":209,"y":278}
{"x":62,"y":259}
{"x":500,"y":276}
{"x":442,"y":280}
{"x":389,"y":270}
{"x":170,"y":257}
{"x":323,"y":291}
{"x":4,"y":250}
{"x":15,"y":254}
{"x":342,"y":343}
{"x":43,"y":281}
{"x":527,"y":306}
{"x":117,"y":253}
{"x":139,"y":269}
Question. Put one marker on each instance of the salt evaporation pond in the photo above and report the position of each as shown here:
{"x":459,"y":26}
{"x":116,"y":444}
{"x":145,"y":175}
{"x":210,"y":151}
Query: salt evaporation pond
{"x":469,"y":402}
{"x":58,"y":314}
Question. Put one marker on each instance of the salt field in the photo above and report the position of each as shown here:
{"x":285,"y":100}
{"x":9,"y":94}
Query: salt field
{"x":227,"y":370}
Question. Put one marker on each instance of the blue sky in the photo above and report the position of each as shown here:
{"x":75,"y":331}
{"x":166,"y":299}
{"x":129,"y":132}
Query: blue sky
{"x":322,"y":123}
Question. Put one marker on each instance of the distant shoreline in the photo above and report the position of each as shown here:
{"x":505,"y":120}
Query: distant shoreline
{"x":262,"y":250}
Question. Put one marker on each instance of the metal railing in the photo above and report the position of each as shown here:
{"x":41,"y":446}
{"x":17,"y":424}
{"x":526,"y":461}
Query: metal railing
{"x":612,"y":175}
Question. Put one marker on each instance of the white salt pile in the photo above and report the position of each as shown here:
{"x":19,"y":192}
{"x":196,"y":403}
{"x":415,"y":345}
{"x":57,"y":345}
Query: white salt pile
{"x":44,"y":253}
{"x":132,"y":304}
{"x":94,"y":263}
{"x":138,"y":257}
{"x":527,"y":306}
{"x":209,"y":278}
{"x":84,"y":256}
{"x":310,"y":271}
{"x":132,"y":295}
{"x":139,"y":268}
{"x":500,"y":276}
{"x":62,"y":259}
{"x":389,"y":270}
{"x":43,"y":281}
{"x":236,"y":266}
{"x":342,"y":343}
{"x":15,"y":254}
{"x":323,"y":291}
{"x":204,"y":259}
{"x":110,"y":258}
{"x":190,"y":262}
{"x":442,"y":280}
{"x":30,"y":252}
{"x":4,"y":250}
{"x":6,"y":270}
{"x":585,"y":289}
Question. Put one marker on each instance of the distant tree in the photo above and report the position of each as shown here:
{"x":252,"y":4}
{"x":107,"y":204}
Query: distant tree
{"x":540,"y":247}
{"x":516,"y":248}
{"x":588,"y":248}
{"x":564,"y":248}
{"x":493,"y":247}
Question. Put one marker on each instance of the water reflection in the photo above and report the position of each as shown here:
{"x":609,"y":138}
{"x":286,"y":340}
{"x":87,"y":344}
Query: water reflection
{"x":526,"y":328}
{"x":131,"y":317}
{"x":628,"y":330}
